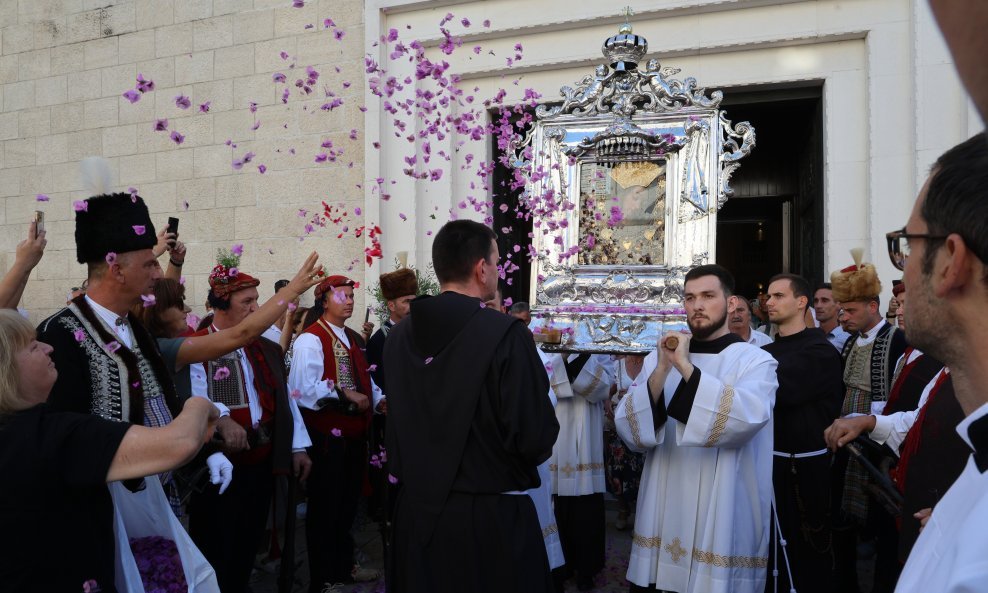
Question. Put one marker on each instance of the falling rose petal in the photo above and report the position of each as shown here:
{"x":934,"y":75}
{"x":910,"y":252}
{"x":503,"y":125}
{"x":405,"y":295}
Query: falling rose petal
{"x":221,"y":373}
{"x":41,"y":198}
{"x":181,"y":280}
{"x":336,"y":432}
{"x":284,"y":55}
{"x":144,"y":85}
{"x":148,"y":299}
{"x":330,"y":384}
{"x":256,"y":125}
{"x":292,"y":306}
{"x":160,"y":125}
{"x":237,"y":249}
{"x":204,"y":107}
{"x":113,"y":346}
{"x":321,"y":157}
{"x":278,"y":77}
{"x":296,"y":394}
{"x":402,"y":216}
{"x":132,"y":96}
{"x":328,"y":23}
{"x":185,"y":205}
{"x":252,"y":107}
{"x":111,"y":258}
{"x":182,"y":102}
{"x":298,"y":3}
{"x":176,"y":137}
{"x":261,"y":169}
{"x":372,"y":368}
{"x":139,"y":229}
{"x":487,"y":22}
{"x":428,"y":360}
{"x":392,"y":479}
{"x":79,"y":335}
{"x":339,"y":34}
{"x":353,"y":134}
{"x":357,"y":211}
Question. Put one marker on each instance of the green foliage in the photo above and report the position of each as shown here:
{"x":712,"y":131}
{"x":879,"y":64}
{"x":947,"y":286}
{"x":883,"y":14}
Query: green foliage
{"x":428,"y":284}
{"x":227,"y":259}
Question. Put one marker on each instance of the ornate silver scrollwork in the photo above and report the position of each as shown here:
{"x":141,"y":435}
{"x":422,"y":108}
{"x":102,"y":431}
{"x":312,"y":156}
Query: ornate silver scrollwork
{"x":627,"y":164}
{"x":732,"y":153}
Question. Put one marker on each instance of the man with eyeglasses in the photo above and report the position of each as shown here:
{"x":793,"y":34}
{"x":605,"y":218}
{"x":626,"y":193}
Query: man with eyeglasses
{"x":943,"y":250}
{"x":869,"y":356}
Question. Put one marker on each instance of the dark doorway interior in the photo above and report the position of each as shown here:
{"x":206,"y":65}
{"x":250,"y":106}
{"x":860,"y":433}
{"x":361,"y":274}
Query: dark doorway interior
{"x":774,"y":222}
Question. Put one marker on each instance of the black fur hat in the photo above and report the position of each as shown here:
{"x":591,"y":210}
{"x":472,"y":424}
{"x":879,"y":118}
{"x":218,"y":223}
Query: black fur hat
{"x":115,"y":223}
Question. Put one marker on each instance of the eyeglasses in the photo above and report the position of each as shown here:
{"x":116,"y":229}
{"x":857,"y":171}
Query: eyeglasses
{"x":898,"y":244}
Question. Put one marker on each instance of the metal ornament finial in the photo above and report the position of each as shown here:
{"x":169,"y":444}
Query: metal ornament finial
{"x":626,"y":29}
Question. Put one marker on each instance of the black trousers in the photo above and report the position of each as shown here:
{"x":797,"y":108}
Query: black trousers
{"x":802,"y":500}
{"x":334,"y":487}
{"x":581,"y":524}
{"x":228,"y":528}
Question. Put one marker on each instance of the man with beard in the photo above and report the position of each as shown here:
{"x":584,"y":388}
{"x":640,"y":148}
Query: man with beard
{"x":704,"y":418}
{"x":739,"y":322}
{"x":944,"y":249}
{"x":809,"y":396}
{"x":469,"y":421}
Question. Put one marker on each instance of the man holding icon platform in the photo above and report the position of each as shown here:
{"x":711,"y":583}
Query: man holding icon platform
{"x":704,"y":419}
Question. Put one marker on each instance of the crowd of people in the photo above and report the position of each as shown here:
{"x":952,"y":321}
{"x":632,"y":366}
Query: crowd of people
{"x":764,"y":455}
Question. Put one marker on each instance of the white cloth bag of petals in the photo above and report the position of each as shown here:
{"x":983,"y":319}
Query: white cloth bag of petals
{"x":147,"y":513}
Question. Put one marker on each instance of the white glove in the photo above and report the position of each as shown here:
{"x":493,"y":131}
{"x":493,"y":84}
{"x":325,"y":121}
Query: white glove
{"x":220,"y":470}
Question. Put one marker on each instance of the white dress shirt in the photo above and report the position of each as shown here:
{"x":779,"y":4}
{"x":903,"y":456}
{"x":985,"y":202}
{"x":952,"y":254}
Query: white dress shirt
{"x":300,"y":436}
{"x":949,"y":556}
{"x":308,"y":365}
{"x":122,"y":331}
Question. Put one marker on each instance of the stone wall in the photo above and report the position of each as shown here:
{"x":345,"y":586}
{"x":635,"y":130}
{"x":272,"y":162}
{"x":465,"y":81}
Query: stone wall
{"x":63,"y":69}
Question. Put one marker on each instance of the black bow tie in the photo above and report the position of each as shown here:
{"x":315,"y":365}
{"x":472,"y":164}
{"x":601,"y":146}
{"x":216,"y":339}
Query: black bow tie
{"x":978,"y":433}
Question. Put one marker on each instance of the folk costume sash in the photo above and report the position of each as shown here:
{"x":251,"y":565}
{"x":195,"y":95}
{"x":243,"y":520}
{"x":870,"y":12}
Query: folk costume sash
{"x":346,"y":368}
{"x":128,"y":377}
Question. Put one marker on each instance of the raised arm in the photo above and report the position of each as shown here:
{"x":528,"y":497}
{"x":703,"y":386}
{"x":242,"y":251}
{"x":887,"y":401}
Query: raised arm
{"x":214,"y":345}
{"x":146,"y":451}
{"x":29,"y":253}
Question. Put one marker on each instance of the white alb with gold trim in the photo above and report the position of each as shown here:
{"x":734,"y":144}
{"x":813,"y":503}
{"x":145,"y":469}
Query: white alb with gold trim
{"x":577,"y":462}
{"x":702,"y":521}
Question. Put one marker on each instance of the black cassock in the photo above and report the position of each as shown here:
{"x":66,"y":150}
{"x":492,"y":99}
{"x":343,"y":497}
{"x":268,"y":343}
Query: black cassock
{"x":469,"y":419}
{"x":811,"y":390}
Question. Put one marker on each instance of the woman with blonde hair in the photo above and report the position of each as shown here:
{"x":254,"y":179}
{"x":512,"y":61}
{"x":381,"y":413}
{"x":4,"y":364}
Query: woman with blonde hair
{"x":56,"y":515}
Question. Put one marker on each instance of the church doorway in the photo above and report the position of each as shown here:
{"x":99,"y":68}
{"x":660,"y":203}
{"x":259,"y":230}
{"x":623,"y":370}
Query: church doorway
{"x":774,"y":221}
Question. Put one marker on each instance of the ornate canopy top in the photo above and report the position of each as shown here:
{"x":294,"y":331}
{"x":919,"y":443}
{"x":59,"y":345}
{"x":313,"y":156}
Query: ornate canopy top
{"x":620,"y":88}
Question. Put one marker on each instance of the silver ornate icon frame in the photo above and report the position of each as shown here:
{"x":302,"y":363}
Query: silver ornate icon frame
{"x":622,"y":114}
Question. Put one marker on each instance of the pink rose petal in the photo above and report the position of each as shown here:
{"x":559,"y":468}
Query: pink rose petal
{"x":221,"y":373}
{"x":139,"y":229}
{"x":79,"y":335}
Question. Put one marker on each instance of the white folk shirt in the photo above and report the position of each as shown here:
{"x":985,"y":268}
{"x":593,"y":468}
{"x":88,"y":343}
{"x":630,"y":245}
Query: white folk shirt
{"x":949,"y":556}
{"x":308,"y":364}
{"x":542,"y":496}
{"x":300,"y":436}
{"x":702,"y":520}
{"x":892,"y":429}
{"x":577,"y":462}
